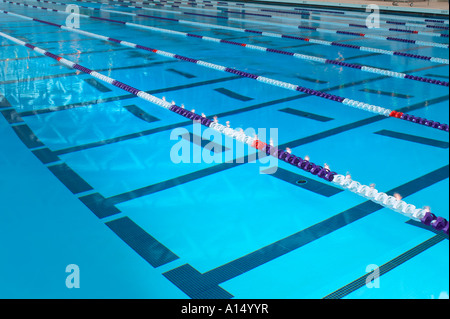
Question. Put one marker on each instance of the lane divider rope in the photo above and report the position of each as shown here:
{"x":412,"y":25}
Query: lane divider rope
{"x":348,"y":14}
{"x":323,"y":30}
{"x":363,"y":68}
{"x":286,"y":10}
{"x":358,"y":34}
{"x":423,"y":215}
{"x":289,"y":86}
{"x":266,"y":15}
{"x":268,"y":34}
{"x":339,"y":24}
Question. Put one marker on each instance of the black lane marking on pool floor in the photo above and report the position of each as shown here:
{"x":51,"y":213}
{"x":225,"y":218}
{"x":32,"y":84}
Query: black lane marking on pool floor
{"x":220,"y":32}
{"x":101,"y":207}
{"x":69,"y":178}
{"x":303,"y":51}
{"x":437,"y":76}
{"x":194,"y":284}
{"x":4,"y":103}
{"x":198,"y":285}
{"x":204,"y":143}
{"x":141,"y":55}
{"x":155,"y":253}
{"x":309,"y":184}
{"x":11,"y":116}
{"x":46,"y":156}
{"x":421,"y":105}
{"x":423,"y":226}
{"x":27,"y":136}
{"x":383,"y":269}
{"x":311,"y":80}
{"x":391,"y":94}
{"x":413,"y":138}
{"x":361,"y":56}
{"x":307,"y":115}
{"x":233,"y":95}
{"x":141,"y":114}
{"x":183,"y":74}
{"x":98,"y":85}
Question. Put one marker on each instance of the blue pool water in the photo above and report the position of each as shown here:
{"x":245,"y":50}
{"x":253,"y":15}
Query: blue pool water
{"x":87,"y":179}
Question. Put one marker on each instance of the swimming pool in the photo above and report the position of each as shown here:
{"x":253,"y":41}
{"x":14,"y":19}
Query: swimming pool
{"x":87,"y":177}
